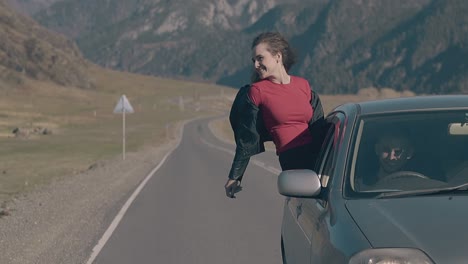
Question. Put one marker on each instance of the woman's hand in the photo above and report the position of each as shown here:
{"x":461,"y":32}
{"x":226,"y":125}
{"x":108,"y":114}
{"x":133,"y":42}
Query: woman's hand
{"x":232,"y":187}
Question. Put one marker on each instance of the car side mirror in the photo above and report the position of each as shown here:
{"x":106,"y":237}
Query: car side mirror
{"x":299,"y":183}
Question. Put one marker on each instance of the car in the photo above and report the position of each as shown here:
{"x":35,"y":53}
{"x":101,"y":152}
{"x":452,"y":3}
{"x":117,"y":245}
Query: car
{"x":350,"y":209}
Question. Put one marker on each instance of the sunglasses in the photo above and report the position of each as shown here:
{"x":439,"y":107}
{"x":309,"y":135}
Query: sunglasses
{"x":392,"y":152}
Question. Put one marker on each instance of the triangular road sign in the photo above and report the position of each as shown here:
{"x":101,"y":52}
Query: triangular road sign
{"x":123,"y":106}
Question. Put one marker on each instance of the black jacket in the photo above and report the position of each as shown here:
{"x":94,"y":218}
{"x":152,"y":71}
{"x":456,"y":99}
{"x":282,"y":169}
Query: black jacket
{"x":250,"y":133}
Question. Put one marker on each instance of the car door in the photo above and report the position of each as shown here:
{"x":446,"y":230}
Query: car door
{"x":296,"y":240}
{"x":295,"y":244}
{"x":313,"y":215}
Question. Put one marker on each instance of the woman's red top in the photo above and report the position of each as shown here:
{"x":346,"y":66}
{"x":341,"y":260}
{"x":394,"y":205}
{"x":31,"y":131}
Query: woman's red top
{"x":286,"y":111}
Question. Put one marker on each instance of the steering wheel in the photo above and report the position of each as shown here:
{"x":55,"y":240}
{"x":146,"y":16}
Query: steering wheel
{"x":404,"y":174}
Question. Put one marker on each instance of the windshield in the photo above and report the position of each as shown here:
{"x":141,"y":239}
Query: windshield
{"x":409,"y":151}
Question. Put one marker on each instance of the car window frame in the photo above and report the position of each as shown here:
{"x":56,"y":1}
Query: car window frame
{"x":326,"y":163}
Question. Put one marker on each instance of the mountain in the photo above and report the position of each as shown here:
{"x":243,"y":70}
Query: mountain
{"x":30,"y":6}
{"x":408,"y":45}
{"x":28,"y":50}
{"x":199,"y":40}
{"x":343,"y":45}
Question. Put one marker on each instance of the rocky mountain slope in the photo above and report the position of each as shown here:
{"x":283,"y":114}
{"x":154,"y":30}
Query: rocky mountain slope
{"x":343,"y":45}
{"x":30,"y":6}
{"x":28,"y":50}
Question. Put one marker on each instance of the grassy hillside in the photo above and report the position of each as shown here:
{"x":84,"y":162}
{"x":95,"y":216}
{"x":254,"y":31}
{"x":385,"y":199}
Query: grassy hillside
{"x":56,"y":108}
{"x":49,"y":131}
{"x":28,"y":50}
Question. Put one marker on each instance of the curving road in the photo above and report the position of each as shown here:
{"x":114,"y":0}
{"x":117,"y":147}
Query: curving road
{"x":183,"y":216}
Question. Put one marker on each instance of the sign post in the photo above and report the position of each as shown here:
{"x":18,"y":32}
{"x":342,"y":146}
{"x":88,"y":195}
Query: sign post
{"x":123,"y":106}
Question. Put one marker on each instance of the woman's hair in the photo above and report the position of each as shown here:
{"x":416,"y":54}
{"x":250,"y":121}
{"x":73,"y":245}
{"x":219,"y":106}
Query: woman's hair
{"x":276,"y":43}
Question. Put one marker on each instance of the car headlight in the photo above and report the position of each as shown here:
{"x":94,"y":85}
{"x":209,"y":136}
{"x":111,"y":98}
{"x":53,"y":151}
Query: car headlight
{"x":390,"y":256}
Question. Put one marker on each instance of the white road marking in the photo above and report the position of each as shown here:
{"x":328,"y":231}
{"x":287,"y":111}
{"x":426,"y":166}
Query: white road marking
{"x":100,"y":245}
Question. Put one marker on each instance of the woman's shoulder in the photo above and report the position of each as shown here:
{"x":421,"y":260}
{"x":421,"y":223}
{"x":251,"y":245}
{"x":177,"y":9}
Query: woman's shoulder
{"x":260,"y":83}
{"x":299,"y":79}
{"x":301,"y":83}
{"x":258,"y":87}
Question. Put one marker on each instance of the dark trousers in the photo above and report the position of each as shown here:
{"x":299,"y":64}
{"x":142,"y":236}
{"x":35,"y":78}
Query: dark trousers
{"x":302,"y":157}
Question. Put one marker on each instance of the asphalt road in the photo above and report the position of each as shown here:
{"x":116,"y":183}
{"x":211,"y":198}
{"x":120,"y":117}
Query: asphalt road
{"x":183,"y":216}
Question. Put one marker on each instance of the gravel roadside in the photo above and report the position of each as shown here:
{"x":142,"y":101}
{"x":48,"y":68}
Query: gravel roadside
{"x":63,"y":221}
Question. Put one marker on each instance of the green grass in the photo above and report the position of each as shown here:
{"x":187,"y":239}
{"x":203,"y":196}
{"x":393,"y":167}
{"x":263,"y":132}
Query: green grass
{"x":84,"y":127}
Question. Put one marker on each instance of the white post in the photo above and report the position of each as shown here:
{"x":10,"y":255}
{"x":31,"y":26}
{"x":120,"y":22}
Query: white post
{"x":123,"y":106}
{"x":123,"y":129}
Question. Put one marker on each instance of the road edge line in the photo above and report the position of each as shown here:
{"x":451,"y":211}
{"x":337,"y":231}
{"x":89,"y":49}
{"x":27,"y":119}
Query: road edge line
{"x":110,"y":230}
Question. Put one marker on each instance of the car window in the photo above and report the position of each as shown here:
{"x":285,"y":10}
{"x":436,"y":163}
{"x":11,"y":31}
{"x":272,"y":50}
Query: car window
{"x":409,"y":151}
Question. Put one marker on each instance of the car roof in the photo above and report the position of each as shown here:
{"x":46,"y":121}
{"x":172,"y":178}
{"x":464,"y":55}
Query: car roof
{"x":414,"y":103}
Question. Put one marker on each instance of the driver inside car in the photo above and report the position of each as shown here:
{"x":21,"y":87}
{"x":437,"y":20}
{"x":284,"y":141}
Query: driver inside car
{"x":393,"y":150}
{"x":396,"y":165}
